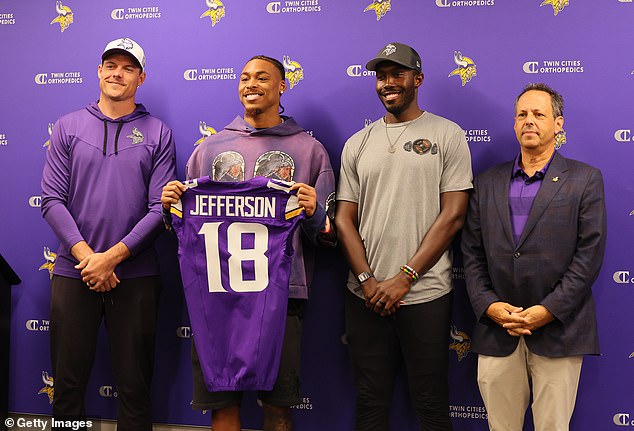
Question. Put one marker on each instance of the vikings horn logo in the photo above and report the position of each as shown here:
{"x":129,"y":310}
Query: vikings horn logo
{"x":50,"y":132}
{"x":560,"y":139}
{"x":206,"y":131}
{"x":64,"y":15}
{"x":381,"y":7}
{"x":294,"y":71}
{"x":48,"y":388}
{"x":557,"y":5}
{"x":461,"y":343}
{"x":466,"y":67}
{"x":215,"y":12}
{"x":50,"y":258}
{"x":136,"y":136}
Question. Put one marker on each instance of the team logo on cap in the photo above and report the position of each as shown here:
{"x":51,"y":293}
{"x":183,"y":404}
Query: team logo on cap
{"x":215,"y":11}
{"x":466,"y":67}
{"x":381,"y":7}
{"x":294,"y":71}
{"x":136,"y":136}
{"x":49,"y":264}
{"x":64,"y":16}
{"x":49,"y":388}
{"x":206,"y":131}
{"x":557,"y":5}
{"x":461,"y":342}
{"x":389,"y":50}
{"x":50,"y":132}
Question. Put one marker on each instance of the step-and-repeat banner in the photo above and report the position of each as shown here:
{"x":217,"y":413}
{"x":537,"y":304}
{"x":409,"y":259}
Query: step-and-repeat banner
{"x":477,"y":55}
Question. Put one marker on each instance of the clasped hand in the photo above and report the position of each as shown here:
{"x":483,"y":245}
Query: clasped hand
{"x":385,"y":297}
{"x":519,"y":321}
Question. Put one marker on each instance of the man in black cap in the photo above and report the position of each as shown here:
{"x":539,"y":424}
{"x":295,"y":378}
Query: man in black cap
{"x":395,"y":235}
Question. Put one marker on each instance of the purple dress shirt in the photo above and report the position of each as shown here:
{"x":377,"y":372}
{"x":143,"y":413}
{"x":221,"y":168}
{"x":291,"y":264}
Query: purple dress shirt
{"x":522,"y":192}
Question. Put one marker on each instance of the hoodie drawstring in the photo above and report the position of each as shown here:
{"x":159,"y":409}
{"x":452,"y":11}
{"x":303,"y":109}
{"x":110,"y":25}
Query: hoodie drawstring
{"x":116,"y":138}
{"x":105,"y":136}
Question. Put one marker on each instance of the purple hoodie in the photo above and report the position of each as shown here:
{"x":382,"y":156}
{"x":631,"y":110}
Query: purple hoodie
{"x":274,"y":152}
{"x":102,"y":183}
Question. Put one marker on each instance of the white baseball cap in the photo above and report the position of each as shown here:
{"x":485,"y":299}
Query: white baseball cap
{"x":128,"y":47}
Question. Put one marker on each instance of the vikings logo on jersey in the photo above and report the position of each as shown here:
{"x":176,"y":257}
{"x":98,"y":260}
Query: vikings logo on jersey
{"x":49,"y":387}
{"x":50,"y":258}
{"x":461,"y":343}
{"x":215,"y":12}
{"x":466,"y":67}
{"x":50,"y":132}
{"x":381,"y":7}
{"x":136,"y":136}
{"x":206,"y":131}
{"x":276,"y":165}
{"x":64,"y":16}
{"x":294,"y":71}
{"x":228,"y":166}
{"x":557,"y":5}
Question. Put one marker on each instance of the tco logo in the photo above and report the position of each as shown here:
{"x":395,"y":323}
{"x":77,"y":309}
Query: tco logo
{"x":108,"y":392}
{"x":622,"y":420}
{"x":41,"y":78}
{"x":36,"y":325}
{"x":531,"y":67}
{"x":184,"y":332}
{"x":442,"y":3}
{"x":35,"y":201}
{"x":623,"y":135}
{"x":32,"y":325}
{"x":622,"y":277}
{"x":190,"y":74}
{"x":355,"y":70}
{"x":117,"y":14}
{"x":274,"y":7}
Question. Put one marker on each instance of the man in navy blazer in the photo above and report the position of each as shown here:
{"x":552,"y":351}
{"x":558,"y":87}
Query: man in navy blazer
{"x":533,"y":245}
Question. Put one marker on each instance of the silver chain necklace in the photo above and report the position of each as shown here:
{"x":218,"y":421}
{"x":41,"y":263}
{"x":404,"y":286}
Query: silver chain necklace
{"x":392,"y":145}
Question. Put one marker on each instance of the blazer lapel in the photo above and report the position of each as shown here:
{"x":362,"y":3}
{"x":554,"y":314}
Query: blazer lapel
{"x":501,"y":194}
{"x":555,"y":177}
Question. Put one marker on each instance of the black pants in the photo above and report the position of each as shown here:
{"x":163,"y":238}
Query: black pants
{"x":129,"y":312}
{"x":418,"y":335}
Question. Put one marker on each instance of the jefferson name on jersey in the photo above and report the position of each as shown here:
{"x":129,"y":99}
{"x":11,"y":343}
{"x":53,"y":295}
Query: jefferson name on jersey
{"x":241,"y":206}
{"x":234,"y":206}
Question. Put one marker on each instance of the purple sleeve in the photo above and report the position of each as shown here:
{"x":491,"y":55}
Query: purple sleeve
{"x":55,"y":187}
{"x":164,"y":170}
{"x":325,"y":189}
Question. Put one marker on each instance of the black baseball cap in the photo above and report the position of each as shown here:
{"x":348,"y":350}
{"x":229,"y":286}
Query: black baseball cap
{"x":399,"y":53}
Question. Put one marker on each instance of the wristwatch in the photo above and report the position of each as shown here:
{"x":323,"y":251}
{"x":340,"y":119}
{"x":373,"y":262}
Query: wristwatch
{"x":364,"y":276}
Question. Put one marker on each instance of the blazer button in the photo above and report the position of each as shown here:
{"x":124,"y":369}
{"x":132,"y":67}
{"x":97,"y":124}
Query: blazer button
{"x":516,"y":255}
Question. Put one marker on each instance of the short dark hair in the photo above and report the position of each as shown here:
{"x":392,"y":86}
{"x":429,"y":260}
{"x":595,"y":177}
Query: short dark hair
{"x":279,"y":66}
{"x":556,"y":99}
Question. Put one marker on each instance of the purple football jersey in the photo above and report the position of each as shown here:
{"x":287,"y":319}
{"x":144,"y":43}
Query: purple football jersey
{"x":235,"y":251}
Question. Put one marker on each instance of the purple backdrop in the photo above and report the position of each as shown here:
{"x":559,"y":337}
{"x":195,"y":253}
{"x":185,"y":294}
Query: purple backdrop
{"x":196,"y":49}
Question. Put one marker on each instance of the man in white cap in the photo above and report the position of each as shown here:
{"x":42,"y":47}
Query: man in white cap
{"x":101,"y":190}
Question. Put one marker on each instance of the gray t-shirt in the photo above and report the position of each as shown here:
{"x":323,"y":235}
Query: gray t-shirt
{"x":398,"y":193}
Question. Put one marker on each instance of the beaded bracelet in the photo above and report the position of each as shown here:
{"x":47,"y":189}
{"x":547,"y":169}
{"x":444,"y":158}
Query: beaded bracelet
{"x":410,"y":271}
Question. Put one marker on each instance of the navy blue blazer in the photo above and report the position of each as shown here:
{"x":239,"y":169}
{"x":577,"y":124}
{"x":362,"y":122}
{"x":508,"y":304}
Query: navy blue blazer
{"x":555,"y":263}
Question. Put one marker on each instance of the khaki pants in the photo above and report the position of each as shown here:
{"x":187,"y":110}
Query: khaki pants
{"x":505,"y":388}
